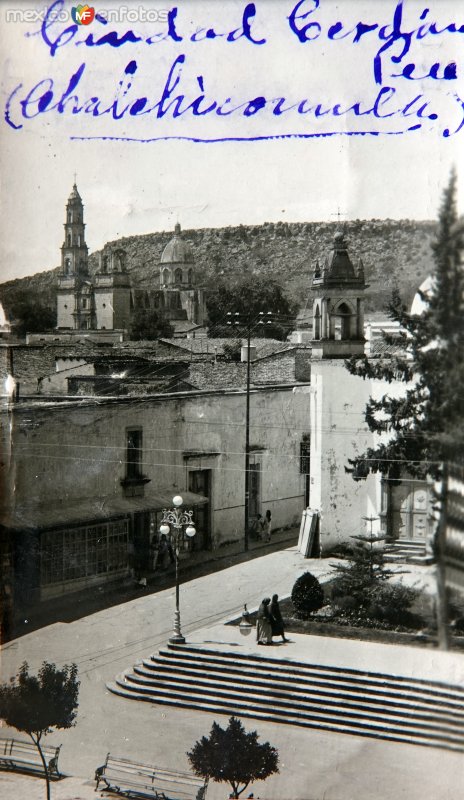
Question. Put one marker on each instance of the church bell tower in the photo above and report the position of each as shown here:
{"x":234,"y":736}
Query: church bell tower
{"x":74,"y":301}
{"x":338,"y":304}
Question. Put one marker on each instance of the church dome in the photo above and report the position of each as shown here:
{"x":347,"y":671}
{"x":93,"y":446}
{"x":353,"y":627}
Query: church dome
{"x":177,"y":251}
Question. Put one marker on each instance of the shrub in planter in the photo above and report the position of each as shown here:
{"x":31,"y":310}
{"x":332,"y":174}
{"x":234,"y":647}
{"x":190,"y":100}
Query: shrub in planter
{"x":344,"y":605}
{"x":307,"y":594}
{"x":456,"y":611}
{"x":391,"y":603}
{"x":458,"y":625}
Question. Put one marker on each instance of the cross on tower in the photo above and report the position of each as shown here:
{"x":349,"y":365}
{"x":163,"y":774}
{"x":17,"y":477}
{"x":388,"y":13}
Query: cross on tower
{"x":339,"y":214}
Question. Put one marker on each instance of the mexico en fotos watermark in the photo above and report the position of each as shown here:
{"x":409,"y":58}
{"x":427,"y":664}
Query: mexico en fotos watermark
{"x":85,"y":14}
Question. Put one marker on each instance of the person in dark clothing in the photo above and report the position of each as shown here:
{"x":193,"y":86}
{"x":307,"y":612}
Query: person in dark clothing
{"x":165,"y":552}
{"x":277,"y":622}
{"x":267,"y":526}
{"x":263,"y":623}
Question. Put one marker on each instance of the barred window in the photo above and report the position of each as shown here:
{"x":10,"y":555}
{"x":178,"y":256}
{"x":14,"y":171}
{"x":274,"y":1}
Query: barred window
{"x":84,"y":552}
{"x":305,"y":454}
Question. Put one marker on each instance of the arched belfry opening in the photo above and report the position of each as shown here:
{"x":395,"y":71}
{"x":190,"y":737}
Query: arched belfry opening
{"x":342,"y":322}
{"x":317,"y":323}
{"x":338,"y":303}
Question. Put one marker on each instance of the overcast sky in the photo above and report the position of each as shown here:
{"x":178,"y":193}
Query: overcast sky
{"x":132,"y":187}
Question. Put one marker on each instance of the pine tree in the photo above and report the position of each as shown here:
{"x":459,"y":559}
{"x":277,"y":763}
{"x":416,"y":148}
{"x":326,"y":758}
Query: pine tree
{"x":426,"y":423}
{"x":358,"y":580}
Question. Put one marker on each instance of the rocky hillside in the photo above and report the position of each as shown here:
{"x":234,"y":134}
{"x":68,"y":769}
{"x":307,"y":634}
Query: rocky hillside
{"x":395,"y":254}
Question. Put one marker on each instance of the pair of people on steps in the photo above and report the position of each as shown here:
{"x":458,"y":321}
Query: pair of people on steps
{"x":269,"y":621}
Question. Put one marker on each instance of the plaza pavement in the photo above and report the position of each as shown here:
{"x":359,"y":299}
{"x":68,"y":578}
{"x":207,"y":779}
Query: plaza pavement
{"x":314,"y":765}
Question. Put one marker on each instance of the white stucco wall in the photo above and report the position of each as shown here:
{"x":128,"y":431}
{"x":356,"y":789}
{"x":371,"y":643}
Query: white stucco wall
{"x":339,"y":433}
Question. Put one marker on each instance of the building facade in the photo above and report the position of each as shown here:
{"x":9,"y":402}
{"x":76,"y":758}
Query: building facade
{"x":85,"y":482}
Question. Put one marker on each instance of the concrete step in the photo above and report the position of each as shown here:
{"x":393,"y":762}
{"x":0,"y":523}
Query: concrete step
{"x":298,"y":693}
{"x":286,"y":698}
{"x":322,"y":721}
{"x":317,"y":694}
{"x":409,"y":551}
{"x":411,"y":543}
{"x":317,"y":681}
{"x":188,"y":657}
{"x":257,"y":702}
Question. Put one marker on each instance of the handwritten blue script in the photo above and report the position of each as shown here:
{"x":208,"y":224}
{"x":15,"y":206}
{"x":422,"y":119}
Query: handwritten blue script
{"x":407,"y":88}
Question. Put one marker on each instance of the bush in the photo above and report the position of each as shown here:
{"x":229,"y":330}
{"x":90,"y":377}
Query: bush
{"x":344,"y":605}
{"x":307,"y":594}
{"x":458,"y":625}
{"x":391,"y":603}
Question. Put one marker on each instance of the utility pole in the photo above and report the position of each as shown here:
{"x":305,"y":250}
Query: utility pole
{"x":247,"y":442}
{"x":249,"y":324}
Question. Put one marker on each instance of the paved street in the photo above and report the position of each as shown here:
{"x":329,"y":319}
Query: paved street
{"x":314,"y":765}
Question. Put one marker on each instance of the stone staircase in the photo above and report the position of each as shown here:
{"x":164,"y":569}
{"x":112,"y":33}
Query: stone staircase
{"x":407,"y":551}
{"x":296,"y":693}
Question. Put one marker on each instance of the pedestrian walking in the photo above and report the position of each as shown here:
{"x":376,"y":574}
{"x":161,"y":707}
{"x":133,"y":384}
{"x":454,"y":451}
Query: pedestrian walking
{"x":267,"y":526}
{"x":263,"y":623}
{"x":277,"y":622}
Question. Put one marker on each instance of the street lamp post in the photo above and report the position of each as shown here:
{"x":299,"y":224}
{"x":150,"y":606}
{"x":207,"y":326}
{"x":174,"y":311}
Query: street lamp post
{"x":175,"y":520}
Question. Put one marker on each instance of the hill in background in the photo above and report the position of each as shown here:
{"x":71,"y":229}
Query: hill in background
{"x":395,"y":253}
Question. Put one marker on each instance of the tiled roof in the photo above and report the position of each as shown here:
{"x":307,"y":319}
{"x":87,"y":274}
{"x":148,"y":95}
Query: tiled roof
{"x":212,"y":346}
{"x":379,"y":347}
{"x":183,"y":325}
{"x":92,"y":508}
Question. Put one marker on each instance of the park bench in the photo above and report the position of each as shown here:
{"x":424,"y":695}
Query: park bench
{"x":128,"y":778}
{"x":20,"y":755}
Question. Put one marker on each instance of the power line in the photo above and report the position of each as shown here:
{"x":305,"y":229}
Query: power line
{"x":295,"y":457}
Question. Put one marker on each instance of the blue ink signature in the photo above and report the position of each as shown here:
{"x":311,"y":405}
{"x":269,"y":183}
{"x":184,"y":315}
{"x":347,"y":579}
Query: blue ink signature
{"x":391,"y":35}
{"x":55,"y":39}
{"x":172,"y":102}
